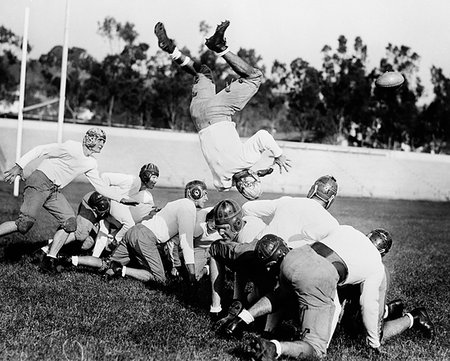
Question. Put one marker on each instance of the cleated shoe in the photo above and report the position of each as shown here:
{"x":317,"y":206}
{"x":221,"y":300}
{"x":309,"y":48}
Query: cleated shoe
{"x":235,"y":309}
{"x":217,"y":41}
{"x":38,"y":256}
{"x":261,"y":349}
{"x":65,"y":262}
{"x":164,"y":42}
{"x":263,"y":172}
{"x":423,"y":322}
{"x":50,"y":265}
{"x":114,"y":271}
{"x":395,"y":309}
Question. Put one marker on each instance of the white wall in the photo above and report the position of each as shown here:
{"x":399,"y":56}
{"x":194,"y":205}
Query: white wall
{"x":360,"y":172}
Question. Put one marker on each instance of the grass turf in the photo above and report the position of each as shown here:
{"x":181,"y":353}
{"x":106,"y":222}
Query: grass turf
{"x":76,"y":315}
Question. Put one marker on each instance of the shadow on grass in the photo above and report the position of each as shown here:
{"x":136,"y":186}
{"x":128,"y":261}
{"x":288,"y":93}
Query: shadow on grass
{"x":14,"y":251}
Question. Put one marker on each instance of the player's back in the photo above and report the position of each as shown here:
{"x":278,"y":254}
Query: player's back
{"x":176,"y":215}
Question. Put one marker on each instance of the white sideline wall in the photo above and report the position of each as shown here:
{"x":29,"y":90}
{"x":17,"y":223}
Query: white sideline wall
{"x":360,"y":172}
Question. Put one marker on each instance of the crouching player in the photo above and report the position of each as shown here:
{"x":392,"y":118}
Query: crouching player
{"x":138,"y":256}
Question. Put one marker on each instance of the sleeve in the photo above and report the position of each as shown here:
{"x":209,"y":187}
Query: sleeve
{"x":186,"y":225}
{"x":173,"y":246}
{"x":259,"y":208}
{"x":373,"y":294}
{"x":123,"y":181}
{"x":263,"y":141}
{"x":100,"y":186}
{"x":54,"y":149}
{"x":317,"y":231}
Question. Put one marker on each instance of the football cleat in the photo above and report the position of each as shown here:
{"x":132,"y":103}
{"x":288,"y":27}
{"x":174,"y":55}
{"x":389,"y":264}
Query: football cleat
{"x":235,"y":309}
{"x":261,"y":349}
{"x":217,"y":41}
{"x":50,"y":265}
{"x":38,"y":256}
{"x":395,"y":309}
{"x":114,"y":271}
{"x":65,"y":262}
{"x":423,"y":322}
{"x":263,"y":172}
{"x":164,"y":42}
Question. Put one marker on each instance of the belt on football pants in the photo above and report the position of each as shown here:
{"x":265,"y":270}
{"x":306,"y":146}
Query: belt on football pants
{"x":338,"y":263}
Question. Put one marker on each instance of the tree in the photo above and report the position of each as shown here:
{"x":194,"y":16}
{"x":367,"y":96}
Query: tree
{"x":9,"y":63}
{"x":118,"y":87}
{"x":397,"y":109}
{"x":346,"y":89}
{"x":435,"y":118}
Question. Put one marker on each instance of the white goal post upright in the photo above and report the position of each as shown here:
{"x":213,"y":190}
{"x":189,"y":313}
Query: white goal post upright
{"x":23,"y":70}
{"x":62,"y":89}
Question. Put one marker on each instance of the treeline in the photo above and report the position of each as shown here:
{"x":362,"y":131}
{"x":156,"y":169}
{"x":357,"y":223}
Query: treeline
{"x":336,"y":104}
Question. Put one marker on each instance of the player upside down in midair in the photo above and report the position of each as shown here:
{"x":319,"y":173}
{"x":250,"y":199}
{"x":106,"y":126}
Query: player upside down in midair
{"x":227,"y":156}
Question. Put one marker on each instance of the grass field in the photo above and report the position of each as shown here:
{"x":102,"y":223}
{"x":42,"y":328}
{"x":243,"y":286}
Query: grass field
{"x":78,"y":316}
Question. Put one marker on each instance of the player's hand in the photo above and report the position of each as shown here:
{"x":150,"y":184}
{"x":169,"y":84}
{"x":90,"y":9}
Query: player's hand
{"x":174,"y":272}
{"x":282,"y":162}
{"x":129,"y":202}
{"x":10,"y":175}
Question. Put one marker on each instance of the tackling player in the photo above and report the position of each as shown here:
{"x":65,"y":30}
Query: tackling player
{"x":311,"y":274}
{"x":61,"y":165}
{"x":138,"y":256}
{"x":135,"y":187}
{"x":228,"y":158}
{"x":299,"y":220}
{"x":396,"y":321}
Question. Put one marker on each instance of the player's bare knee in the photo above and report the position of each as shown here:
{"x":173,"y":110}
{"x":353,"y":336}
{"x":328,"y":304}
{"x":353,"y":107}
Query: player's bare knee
{"x":70,"y":225}
{"x":24,"y":223}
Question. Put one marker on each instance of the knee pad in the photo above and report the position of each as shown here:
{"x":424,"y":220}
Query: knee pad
{"x":70,"y":225}
{"x":24,"y":223}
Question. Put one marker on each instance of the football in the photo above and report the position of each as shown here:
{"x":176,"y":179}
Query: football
{"x":390,"y":79}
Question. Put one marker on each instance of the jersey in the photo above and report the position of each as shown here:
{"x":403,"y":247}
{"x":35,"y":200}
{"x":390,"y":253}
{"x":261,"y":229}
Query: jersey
{"x":176,"y":218}
{"x":64,"y":162}
{"x":298,"y":221}
{"x":366,"y":269}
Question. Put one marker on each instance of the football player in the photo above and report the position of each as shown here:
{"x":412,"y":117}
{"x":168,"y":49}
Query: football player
{"x":395,"y":320}
{"x":138,"y":256}
{"x":135,"y":187}
{"x":300,"y":220}
{"x":228,"y":158}
{"x":62,"y":163}
{"x":311,"y":274}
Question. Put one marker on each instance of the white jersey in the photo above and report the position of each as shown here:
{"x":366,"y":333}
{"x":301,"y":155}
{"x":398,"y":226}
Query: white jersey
{"x":129,"y":186}
{"x":226,"y":154}
{"x":251,"y":230}
{"x":365,"y":268}
{"x":176,"y":218}
{"x":202,"y":237}
{"x":298,"y":221}
{"x":66,"y":161}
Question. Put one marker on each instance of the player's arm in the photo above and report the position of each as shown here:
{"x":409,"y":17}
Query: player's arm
{"x":266,"y":142}
{"x":123,"y":181}
{"x":259,"y":208}
{"x":105,"y":190}
{"x":35,"y":153}
{"x":373,"y":293}
{"x":186,"y":226}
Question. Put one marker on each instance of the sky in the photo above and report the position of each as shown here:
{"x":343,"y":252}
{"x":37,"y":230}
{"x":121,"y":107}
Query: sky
{"x":278,"y":30}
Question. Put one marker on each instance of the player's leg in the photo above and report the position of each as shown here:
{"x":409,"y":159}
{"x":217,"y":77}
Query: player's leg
{"x":217,"y":43}
{"x":37,"y":189}
{"x":123,"y":215}
{"x":166,"y":44}
{"x":60,"y":208}
{"x":142,"y":243}
{"x":101,"y":241}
